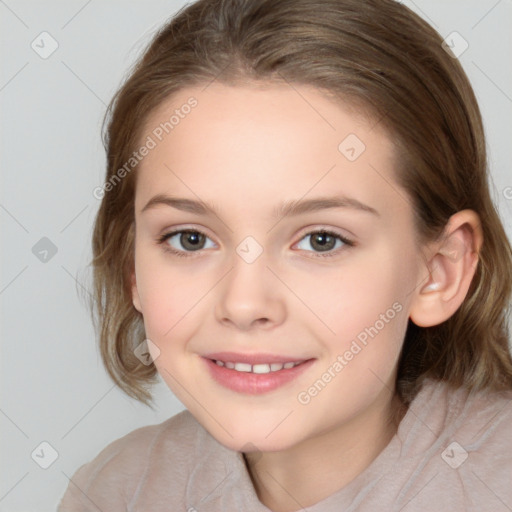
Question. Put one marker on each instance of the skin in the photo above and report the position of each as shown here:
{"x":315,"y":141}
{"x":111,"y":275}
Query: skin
{"x":246,"y":149}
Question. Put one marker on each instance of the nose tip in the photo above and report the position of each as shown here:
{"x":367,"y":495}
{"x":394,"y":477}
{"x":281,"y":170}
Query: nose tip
{"x":249,"y":295}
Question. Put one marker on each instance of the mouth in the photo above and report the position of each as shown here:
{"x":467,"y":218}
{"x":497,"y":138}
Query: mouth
{"x":254,"y":373}
{"x":257,"y":368}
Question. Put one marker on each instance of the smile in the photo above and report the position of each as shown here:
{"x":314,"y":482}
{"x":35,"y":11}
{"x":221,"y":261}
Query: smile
{"x":254,"y":374}
{"x":257,"y":368}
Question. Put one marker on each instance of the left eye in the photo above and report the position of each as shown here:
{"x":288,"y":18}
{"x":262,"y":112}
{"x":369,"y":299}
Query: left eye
{"x":325,"y":241}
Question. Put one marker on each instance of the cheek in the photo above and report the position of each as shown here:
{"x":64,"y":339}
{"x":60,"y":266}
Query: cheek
{"x":167,"y":295}
{"x":366,"y":306}
{"x":355,"y":297}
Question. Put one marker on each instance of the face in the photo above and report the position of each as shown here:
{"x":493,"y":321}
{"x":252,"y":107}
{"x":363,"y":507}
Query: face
{"x":245,"y":280}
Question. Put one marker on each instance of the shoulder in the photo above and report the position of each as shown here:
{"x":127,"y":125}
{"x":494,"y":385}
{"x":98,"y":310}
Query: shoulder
{"x":475,"y":414}
{"x":455,"y":446}
{"x":111,"y":478}
{"x":484,"y":426}
{"x":140,"y":444}
{"x":480,"y":418}
{"x":476,"y":418}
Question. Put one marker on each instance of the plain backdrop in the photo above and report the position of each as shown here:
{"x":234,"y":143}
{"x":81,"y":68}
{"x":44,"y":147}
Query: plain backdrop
{"x":54,"y":389}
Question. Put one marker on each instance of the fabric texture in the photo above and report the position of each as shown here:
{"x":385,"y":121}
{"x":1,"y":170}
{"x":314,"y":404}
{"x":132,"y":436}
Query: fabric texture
{"x":452,"y":452}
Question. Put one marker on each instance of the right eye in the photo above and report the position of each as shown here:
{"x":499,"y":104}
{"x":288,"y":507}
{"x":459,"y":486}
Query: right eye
{"x":191,"y":240}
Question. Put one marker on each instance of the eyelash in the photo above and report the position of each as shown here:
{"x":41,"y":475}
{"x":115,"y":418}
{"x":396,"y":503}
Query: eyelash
{"x":187,"y":254}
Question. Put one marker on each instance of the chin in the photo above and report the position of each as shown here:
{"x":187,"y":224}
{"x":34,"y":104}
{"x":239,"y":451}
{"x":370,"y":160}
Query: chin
{"x":248,"y":438}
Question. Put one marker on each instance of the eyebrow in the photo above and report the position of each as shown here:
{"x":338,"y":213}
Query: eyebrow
{"x":286,"y":209}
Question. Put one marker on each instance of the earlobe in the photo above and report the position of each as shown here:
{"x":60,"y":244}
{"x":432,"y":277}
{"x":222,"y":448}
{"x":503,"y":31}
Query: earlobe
{"x":450,"y":271}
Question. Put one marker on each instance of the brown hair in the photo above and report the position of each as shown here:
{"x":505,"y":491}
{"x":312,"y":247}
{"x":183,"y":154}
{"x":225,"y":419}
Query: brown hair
{"x":375,"y":53}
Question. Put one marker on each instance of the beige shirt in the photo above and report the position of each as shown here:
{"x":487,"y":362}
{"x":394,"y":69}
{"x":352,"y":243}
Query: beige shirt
{"x":452,"y":452}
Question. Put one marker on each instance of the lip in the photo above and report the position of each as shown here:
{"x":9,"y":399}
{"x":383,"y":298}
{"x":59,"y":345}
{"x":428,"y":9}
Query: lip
{"x":254,"y":383}
{"x":251,"y":359}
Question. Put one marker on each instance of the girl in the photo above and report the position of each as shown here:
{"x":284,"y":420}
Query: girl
{"x":296,"y":233}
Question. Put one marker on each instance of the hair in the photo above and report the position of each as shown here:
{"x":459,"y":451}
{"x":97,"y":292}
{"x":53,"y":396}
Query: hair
{"x":375,"y":54}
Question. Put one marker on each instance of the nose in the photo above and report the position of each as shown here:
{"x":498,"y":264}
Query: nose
{"x":250,"y":296}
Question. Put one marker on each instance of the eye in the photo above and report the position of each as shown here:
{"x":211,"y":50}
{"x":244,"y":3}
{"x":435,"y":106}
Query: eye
{"x":191,"y":240}
{"x":324,"y":241}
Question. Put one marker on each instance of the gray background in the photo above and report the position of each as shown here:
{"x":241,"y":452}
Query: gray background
{"x":54,"y":388}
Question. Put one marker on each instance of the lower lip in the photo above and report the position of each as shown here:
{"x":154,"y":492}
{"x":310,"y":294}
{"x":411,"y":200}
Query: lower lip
{"x":254,"y":383}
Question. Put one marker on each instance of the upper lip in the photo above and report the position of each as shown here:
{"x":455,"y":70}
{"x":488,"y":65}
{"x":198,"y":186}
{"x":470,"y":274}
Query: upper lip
{"x":252,"y":359}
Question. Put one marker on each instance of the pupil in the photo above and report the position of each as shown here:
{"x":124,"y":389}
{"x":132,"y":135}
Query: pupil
{"x":191,"y":239}
{"x":323,"y":239}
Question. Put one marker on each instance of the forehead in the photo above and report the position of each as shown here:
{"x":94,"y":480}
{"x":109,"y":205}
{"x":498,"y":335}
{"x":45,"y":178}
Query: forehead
{"x":260,"y":140}
{"x":274,"y":106}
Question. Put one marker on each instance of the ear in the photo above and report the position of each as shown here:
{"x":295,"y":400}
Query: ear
{"x":451,"y":266}
{"x":135,"y":293}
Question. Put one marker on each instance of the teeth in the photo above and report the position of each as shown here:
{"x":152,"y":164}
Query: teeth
{"x":242,"y":367}
{"x":257,"y":368}
{"x":261,"y":368}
